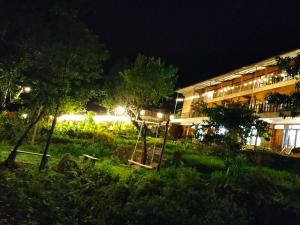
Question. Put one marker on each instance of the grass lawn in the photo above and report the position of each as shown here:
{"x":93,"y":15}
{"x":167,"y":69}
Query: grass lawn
{"x":201,"y":191}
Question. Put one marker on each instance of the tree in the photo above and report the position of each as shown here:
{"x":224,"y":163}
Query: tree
{"x":289,"y":104}
{"x":230,"y":124}
{"x":143,"y":85}
{"x":62,"y":61}
{"x":14,"y":31}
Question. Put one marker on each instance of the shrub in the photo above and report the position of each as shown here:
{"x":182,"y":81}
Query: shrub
{"x":67,"y":164}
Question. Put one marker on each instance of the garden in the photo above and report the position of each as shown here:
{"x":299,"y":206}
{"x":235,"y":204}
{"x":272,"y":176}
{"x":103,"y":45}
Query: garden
{"x":193,"y":186}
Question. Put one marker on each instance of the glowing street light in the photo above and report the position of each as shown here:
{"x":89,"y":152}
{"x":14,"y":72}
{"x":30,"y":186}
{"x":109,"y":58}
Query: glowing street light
{"x":27,"y":89}
{"x":159,"y":115}
{"x":172,"y":117}
{"x":142,"y":112}
{"x":24,"y":115}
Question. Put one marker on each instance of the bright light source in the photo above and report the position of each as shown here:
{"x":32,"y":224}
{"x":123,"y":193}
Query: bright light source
{"x":172,"y":117}
{"x":179,"y":99}
{"x":27,"y":89}
{"x":222,"y":131}
{"x":142,"y":112}
{"x":111,"y":118}
{"x":51,"y":117}
{"x":160,"y":115}
{"x":24,"y":115}
{"x":120,"y":110}
{"x":71,"y":117}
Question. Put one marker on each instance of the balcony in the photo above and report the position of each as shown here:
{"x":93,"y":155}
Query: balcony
{"x":260,"y":108}
{"x":246,"y":87}
{"x":192,"y":114}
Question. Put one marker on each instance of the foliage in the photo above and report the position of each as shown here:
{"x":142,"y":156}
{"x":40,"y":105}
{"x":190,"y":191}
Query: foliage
{"x":288,"y":102}
{"x":112,"y":194}
{"x":230,"y":124}
{"x":146,"y":83}
{"x":11,"y":126}
{"x":67,"y":164}
{"x":290,"y":64}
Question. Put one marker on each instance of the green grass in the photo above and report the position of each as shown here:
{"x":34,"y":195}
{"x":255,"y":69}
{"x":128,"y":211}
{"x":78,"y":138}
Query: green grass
{"x":210,"y":161}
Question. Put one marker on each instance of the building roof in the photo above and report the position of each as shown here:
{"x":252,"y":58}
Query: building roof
{"x":238,"y":72}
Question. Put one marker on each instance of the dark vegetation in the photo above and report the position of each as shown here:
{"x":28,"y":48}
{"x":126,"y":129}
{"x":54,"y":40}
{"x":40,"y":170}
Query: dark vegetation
{"x":193,"y":187}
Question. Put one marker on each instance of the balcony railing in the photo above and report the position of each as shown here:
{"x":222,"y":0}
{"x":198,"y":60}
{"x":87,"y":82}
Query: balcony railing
{"x":250,"y":84}
{"x":192,"y":114}
{"x":258,"y":108}
{"x":267,"y":108}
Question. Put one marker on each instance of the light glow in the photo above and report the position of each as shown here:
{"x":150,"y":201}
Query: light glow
{"x":142,"y":112}
{"x":159,"y":115}
{"x":172,"y":117}
{"x":24,"y":115}
{"x":120,"y":110}
{"x":71,"y":117}
{"x":96,"y":118}
{"x":111,"y":118}
{"x":27,"y":89}
{"x":179,"y":99}
{"x":279,"y":127}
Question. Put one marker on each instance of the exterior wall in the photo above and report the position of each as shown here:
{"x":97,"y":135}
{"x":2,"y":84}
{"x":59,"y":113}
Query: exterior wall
{"x":187,"y":103}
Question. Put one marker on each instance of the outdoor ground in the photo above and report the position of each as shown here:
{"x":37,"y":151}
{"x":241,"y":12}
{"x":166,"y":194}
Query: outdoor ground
{"x":193,"y":187}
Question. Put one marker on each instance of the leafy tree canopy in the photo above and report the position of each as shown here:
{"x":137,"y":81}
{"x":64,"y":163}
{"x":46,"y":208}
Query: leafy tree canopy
{"x":288,"y":104}
{"x":144,"y":84}
{"x":230,"y":124}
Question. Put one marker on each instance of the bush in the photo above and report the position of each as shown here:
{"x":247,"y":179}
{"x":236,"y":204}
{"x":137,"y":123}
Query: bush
{"x":11,"y":126}
{"x":68,"y":165}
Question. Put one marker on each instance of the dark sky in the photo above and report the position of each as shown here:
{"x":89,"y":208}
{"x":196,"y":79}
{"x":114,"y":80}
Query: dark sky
{"x":203,"y":38}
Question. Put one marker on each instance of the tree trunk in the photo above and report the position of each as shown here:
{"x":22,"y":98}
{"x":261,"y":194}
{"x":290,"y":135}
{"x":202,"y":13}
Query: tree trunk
{"x":10,"y":161}
{"x":145,"y":150}
{"x":164,"y":144}
{"x":256,"y":137}
{"x":44,"y":158}
{"x":35,"y":130}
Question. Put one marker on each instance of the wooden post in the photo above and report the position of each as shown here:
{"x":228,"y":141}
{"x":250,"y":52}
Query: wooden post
{"x":9,"y":162}
{"x":164,"y":145}
{"x":44,"y":158}
{"x":35,"y":130}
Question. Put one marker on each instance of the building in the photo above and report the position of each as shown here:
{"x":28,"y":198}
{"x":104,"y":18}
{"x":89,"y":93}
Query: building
{"x":249,"y":84}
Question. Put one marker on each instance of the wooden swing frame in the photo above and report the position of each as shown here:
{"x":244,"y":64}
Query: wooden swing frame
{"x":158,"y":125}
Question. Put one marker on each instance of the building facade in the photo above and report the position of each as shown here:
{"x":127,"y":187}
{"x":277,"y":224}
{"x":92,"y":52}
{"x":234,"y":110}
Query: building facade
{"x":250,"y":85}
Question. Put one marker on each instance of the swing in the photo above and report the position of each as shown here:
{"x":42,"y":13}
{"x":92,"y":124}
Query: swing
{"x":150,"y":160}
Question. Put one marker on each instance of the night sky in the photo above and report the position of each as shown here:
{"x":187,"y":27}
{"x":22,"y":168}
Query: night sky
{"x":202,"y":38}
